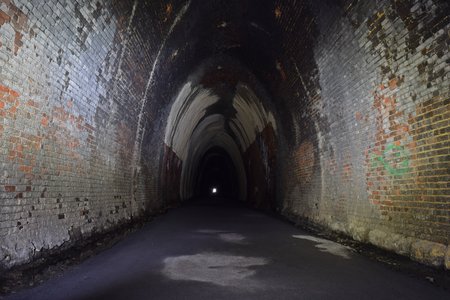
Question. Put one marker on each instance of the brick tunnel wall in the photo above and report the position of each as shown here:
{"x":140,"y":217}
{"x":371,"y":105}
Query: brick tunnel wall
{"x":369,"y":151}
{"x":360,"y":90}
{"x":73,"y":76}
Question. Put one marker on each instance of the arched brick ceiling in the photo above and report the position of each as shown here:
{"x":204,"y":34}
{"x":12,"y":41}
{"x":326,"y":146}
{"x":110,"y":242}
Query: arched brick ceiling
{"x":336,"y":110}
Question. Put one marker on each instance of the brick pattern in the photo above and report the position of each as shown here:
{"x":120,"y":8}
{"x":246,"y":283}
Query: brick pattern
{"x":171,"y":176}
{"x":260,"y":165}
{"x":378,"y":104}
{"x":360,"y":91}
{"x":72,"y":73}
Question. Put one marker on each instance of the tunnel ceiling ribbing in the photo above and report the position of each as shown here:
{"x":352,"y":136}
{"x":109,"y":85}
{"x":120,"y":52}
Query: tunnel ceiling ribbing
{"x":208,"y":134}
{"x":359,"y":90}
{"x":186,"y":112}
{"x":191,"y":106}
{"x":200,"y":119}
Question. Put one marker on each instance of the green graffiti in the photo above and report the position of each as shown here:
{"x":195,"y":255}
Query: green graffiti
{"x":400,"y":157}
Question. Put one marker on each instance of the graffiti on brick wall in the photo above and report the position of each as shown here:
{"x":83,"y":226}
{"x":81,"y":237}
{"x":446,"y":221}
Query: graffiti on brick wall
{"x":394,"y":159}
{"x":392,"y":153}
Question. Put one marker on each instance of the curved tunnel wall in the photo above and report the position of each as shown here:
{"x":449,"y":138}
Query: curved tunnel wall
{"x":210,"y":133}
{"x":358,"y":92}
{"x":222,"y":114}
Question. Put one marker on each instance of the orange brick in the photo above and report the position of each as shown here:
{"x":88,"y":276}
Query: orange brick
{"x":14,"y":93}
{"x":393,"y":83}
{"x":4,"y":89}
{"x":25,"y":169}
{"x":10,"y":188}
{"x":4,"y":18}
{"x":44,"y":121}
{"x":31,"y":103}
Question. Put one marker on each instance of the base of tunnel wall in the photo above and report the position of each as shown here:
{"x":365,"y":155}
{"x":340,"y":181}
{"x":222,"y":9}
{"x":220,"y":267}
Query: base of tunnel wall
{"x":426,"y":252}
{"x":80,"y":244}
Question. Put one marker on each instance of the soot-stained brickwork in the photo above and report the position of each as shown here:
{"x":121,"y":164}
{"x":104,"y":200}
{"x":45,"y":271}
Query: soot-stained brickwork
{"x":71,"y":81}
{"x":376,"y":164}
{"x":358,"y":92}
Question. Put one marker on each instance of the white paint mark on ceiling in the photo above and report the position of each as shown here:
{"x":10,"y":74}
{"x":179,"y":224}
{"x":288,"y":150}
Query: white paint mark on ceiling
{"x":191,"y":105}
{"x":251,"y":117}
{"x":186,"y":112}
{"x":190,"y":132}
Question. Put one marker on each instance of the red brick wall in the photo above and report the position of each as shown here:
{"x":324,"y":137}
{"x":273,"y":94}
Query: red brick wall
{"x":72,"y":82}
{"x":359,"y":89}
{"x":369,"y":155}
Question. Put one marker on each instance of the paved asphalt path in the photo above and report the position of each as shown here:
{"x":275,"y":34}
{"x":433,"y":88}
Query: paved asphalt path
{"x":228,"y":252}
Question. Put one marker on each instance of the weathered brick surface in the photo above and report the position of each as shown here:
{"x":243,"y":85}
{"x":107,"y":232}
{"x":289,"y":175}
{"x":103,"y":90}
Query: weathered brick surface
{"x":380,"y":114}
{"x":71,"y":82}
{"x":260,"y":163}
{"x":359,"y":91}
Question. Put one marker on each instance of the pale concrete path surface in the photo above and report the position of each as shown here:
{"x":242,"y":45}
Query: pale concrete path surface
{"x":227,"y":252}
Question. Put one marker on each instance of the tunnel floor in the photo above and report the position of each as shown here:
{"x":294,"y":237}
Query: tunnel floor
{"x":202,"y":251}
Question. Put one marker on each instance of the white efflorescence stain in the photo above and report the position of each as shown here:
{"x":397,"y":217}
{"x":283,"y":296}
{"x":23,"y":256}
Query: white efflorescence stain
{"x":189,"y":108}
{"x":328,"y":246}
{"x":251,"y":116}
{"x":215,"y":268}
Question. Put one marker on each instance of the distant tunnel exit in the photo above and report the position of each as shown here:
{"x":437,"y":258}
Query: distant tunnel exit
{"x":217,"y":176}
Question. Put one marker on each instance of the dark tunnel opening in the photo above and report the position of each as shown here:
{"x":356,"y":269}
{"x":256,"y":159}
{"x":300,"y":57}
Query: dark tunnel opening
{"x":216,"y":176}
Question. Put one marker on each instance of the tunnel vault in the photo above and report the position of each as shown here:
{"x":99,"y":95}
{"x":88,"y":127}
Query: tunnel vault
{"x":212,"y":111}
{"x":332,"y":113}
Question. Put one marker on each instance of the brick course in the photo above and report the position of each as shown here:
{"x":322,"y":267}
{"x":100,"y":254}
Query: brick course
{"x":359,"y":91}
{"x":66,"y":122}
{"x":382,"y":128}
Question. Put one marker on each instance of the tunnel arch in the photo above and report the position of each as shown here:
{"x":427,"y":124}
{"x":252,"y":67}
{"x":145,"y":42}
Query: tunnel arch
{"x":87,"y":106}
{"x":221,"y":105}
{"x":208,"y":134}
